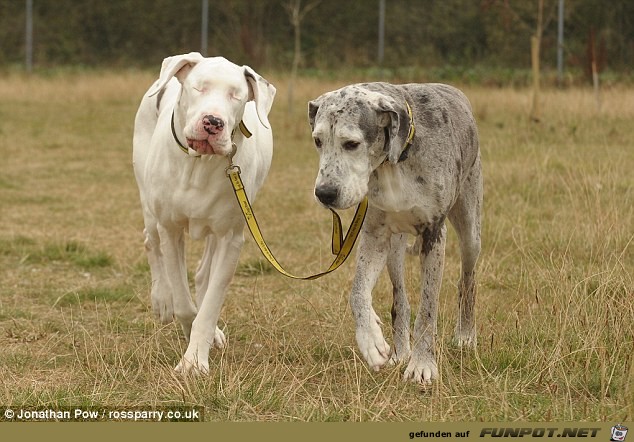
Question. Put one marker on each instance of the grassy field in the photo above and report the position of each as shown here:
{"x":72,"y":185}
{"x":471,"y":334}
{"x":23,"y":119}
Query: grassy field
{"x":556,"y":283}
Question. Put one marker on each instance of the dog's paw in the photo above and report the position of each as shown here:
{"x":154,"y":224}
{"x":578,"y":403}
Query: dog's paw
{"x":162,"y":305}
{"x":421,"y":369}
{"x":465,"y":339}
{"x":220,"y":341}
{"x":192,"y":366}
{"x":195,"y":361}
{"x":402,"y":350}
{"x":372,"y":344}
{"x":398,"y":358}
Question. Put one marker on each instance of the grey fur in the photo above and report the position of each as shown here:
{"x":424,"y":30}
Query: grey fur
{"x":412,"y":189}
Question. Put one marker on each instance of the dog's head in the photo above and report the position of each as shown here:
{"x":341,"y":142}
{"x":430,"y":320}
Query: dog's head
{"x":355,"y":130}
{"x":213,"y":96}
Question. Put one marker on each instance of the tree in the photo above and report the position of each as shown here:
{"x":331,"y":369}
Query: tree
{"x":536,"y":41}
{"x":296,"y":14}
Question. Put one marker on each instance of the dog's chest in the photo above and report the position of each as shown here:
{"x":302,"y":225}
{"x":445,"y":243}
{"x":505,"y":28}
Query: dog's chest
{"x":406,"y":202}
{"x":194,"y":193}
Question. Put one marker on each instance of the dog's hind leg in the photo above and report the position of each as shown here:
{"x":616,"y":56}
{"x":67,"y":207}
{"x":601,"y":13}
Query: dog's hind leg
{"x":161,"y":295}
{"x":202,"y":272}
{"x":173,"y":257}
{"x":422,"y":366}
{"x":465,"y":217}
{"x":400,"y":306}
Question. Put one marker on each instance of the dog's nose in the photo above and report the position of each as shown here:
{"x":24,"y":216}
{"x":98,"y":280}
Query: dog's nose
{"x":326,"y":194}
{"x":212,"y":124}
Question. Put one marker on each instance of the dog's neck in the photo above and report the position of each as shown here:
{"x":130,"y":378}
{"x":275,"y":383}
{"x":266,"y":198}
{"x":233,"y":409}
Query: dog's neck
{"x":178,"y":142}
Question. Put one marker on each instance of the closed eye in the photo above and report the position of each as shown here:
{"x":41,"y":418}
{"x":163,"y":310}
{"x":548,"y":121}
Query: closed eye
{"x":234,"y":94}
{"x":350,"y":145}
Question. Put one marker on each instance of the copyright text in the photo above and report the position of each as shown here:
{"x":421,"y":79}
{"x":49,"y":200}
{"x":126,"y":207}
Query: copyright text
{"x":69,"y":414}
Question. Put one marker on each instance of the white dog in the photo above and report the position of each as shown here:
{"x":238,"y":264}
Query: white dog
{"x":186,"y":127}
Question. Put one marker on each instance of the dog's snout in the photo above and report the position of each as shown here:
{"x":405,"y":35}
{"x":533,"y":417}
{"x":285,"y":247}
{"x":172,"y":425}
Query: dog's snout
{"x":212,"y":124}
{"x":326,"y":194}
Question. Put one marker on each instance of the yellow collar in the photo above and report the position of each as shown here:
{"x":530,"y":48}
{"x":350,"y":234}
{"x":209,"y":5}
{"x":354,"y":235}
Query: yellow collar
{"x":410,"y":136}
{"x":412,"y":128}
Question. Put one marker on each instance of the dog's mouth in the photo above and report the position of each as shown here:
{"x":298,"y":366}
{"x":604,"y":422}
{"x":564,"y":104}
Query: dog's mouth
{"x":209,"y":138}
{"x":338,"y":206}
{"x":333,"y":196}
{"x":204,"y":147}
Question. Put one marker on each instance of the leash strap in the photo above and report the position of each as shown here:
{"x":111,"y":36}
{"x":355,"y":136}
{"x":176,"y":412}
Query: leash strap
{"x":341,"y":247}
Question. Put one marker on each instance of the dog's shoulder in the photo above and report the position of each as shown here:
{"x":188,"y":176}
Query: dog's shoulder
{"x":435,"y":105}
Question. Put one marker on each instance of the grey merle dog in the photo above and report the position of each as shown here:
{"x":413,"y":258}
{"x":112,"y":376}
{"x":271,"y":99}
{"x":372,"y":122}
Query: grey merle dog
{"x":413,"y":150}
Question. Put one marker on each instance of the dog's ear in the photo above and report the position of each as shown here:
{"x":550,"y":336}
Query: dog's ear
{"x":394,"y":116}
{"x":313,"y":107}
{"x":262,"y":92}
{"x":177,"y":66}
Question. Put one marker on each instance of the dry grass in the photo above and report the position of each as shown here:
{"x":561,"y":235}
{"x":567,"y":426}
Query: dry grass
{"x":556,"y":298}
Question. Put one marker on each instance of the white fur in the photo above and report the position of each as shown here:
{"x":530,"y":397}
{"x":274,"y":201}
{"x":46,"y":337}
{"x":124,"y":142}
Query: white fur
{"x":190,"y":193}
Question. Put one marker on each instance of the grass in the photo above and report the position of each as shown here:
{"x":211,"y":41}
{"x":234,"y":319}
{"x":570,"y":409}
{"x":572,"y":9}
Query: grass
{"x":556,"y":290}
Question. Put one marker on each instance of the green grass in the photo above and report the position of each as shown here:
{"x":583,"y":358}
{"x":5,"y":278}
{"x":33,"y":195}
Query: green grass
{"x":555,"y":304}
{"x":97,"y":294}
{"x":28,"y":251}
{"x":254,"y":267}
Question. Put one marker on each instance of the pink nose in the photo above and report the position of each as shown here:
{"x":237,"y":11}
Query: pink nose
{"x":212,"y":125}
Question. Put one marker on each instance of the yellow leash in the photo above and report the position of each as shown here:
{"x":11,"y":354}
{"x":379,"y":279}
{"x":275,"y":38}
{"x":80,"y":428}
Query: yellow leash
{"x":341,"y":247}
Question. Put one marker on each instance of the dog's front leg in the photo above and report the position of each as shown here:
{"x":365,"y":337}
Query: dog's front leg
{"x":422,"y":365}
{"x":371,"y":258}
{"x":205,"y":333}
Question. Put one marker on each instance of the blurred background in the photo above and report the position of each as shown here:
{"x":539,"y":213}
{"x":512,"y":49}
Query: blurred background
{"x":484,"y":41}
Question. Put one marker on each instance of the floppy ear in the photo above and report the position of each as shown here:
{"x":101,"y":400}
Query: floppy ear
{"x":177,"y":66}
{"x":262,"y":92}
{"x":394,"y":117}
{"x":313,"y":107}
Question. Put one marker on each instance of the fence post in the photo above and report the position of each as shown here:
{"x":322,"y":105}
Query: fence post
{"x":560,"y":45}
{"x":29,"y":36}
{"x":204,"y":29}
{"x":381,"y":51}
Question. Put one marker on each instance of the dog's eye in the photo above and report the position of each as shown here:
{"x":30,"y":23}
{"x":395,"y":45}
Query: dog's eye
{"x":317,"y":142}
{"x":350,"y":145}
{"x":234,"y":94}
